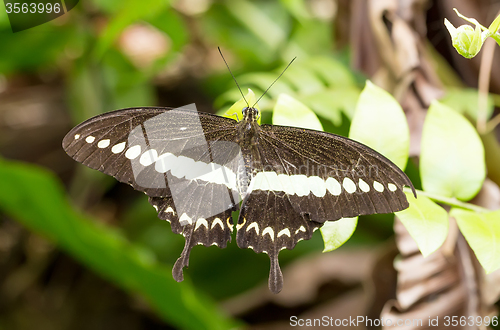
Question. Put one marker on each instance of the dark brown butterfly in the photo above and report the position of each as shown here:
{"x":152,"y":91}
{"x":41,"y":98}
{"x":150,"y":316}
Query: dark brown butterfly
{"x":197,"y":167}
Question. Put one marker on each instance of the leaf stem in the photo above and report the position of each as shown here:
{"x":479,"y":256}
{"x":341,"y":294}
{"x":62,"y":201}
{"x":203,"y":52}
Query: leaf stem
{"x":451,"y":201}
{"x":484,"y":85}
{"x":492,"y":123}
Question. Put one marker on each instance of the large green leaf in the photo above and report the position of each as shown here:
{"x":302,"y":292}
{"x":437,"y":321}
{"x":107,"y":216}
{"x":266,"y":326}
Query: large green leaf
{"x":35,"y":198}
{"x":426,"y":222}
{"x":330,"y":103}
{"x":452,"y":157}
{"x":125,"y":86}
{"x":380,"y":123}
{"x":171,"y":22}
{"x":482,"y":232}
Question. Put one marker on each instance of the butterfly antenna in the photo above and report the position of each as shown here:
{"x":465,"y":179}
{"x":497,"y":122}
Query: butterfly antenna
{"x":268,"y":88}
{"x":233,"y":77}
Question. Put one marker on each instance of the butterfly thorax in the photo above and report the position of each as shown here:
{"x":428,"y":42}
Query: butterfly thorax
{"x":248,"y":139}
{"x":248,"y":128}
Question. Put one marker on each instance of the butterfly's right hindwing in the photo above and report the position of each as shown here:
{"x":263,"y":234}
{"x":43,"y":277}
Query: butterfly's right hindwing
{"x":184,"y":160}
{"x":213,"y":230}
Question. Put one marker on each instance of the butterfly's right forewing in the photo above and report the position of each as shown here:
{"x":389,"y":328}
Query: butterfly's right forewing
{"x":184,"y":160}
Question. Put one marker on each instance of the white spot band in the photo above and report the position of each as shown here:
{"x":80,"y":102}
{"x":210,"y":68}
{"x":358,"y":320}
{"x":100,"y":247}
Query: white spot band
{"x":117,"y":148}
{"x":103,"y":144}
{"x":255,"y":226}
{"x":216,"y":222}
{"x":149,"y":157}
{"x":378,"y":186}
{"x":302,"y":185}
{"x":133,"y":152}
{"x":363,"y":186}
{"x":392,"y":187}
{"x":182,"y":166}
{"x":185,"y":220}
{"x":349,"y":185}
{"x":270,"y":231}
{"x":285,"y":231}
{"x":201,"y":222}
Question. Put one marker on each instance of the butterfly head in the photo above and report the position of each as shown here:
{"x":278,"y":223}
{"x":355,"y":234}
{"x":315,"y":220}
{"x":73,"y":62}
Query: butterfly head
{"x":250,"y":114}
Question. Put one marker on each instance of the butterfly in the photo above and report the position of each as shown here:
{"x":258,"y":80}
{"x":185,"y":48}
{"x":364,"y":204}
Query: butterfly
{"x":199,"y":168}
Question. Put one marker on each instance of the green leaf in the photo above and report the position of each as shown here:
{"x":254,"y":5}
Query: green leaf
{"x":333,"y":72}
{"x":482,"y":232}
{"x":452,"y":157}
{"x":298,"y":9}
{"x":465,"y":100}
{"x":426,"y":222}
{"x":235,"y":111}
{"x":256,"y":20}
{"x":263,"y":80}
{"x":322,"y":83}
{"x":36,"y":198}
{"x":290,"y":112}
{"x":380,"y":123}
{"x":4,"y":19}
{"x":336,"y":233}
{"x":301,"y":44}
{"x":303,"y":79}
{"x":330,"y":103}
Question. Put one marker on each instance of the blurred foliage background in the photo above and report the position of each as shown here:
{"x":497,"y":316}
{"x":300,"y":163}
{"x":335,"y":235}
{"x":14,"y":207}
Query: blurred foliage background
{"x":80,"y":251}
